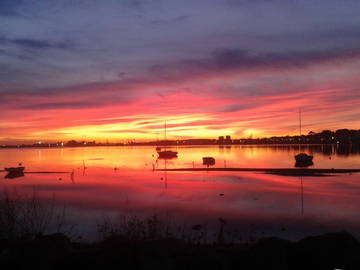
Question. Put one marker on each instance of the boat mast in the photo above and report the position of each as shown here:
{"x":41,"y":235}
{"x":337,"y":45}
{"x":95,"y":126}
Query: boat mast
{"x":165,"y":136}
{"x":299,"y":128}
{"x":300,"y":120}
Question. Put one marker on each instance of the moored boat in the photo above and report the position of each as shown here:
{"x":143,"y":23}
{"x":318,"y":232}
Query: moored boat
{"x":167,"y":154}
{"x":15,"y":169}
{"x":302,"y":159}
{"x":208,"y":161}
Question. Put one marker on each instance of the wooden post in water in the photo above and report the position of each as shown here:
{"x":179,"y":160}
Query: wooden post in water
{"x":84,"y":167}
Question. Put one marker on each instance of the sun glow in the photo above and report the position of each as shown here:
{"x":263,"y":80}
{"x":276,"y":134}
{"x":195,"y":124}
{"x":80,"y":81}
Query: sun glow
{"x":177,"y":127}
{"x":252,"y":133}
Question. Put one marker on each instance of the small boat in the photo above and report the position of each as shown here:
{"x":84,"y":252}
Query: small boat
{"x":303,"y":160}
{"x":167,"y":154}
{"x":15,"y":169}
{"x":303,"y":157}
{"x":208,"y":161}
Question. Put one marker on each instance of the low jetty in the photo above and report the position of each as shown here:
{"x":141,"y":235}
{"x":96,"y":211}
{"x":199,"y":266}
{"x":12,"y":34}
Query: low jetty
{"x":276,"y":171}
{"x":45,"y":172}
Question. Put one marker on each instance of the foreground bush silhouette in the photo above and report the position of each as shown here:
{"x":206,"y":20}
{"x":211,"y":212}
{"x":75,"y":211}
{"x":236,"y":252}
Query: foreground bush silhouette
{"x":135,"y":243}
{"x":56,"y":251}
{"x":26,"y":217}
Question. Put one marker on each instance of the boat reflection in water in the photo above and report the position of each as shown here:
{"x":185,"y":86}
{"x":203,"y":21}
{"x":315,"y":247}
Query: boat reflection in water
{"x":303,"y":164}
{"x":12,"y":175}
{"x":253,"y":203}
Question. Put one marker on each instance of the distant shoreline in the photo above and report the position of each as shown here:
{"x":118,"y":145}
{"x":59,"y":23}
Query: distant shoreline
{"x":46,"y":146}
{"x":326,"y":137}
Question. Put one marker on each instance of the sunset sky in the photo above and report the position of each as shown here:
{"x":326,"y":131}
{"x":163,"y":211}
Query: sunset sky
{"x":116,"y":70}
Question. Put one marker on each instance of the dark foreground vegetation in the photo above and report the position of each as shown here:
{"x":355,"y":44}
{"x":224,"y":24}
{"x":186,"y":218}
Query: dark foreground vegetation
{"x":56,"y":251}
{"x":134,"y":243}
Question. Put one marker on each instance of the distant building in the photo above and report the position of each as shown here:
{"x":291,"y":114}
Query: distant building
{"x":225,"y":140}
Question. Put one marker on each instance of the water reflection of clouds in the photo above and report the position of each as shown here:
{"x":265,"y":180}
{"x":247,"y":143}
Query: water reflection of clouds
{"x":352,"y":187}
{"x":269,"y":201}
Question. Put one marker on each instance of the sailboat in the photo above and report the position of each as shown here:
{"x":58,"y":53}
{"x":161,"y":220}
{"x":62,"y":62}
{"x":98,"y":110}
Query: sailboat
{"x":302,"y":159}
{"x":166,"y":154}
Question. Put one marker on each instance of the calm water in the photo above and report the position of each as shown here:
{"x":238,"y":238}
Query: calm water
{"x":256,"y":204}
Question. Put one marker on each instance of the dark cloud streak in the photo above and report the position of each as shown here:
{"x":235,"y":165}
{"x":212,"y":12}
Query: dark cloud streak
{"x":36,"y":44}
{"x":231,"y":61}
{"x":60,"y":105}
{"x":224,"y":60}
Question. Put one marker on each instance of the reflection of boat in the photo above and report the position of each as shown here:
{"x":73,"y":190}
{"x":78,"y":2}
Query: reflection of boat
{"x":15,"y":169}
{"x":304,"y":163}
{"x":302,"y":196}
{"x":12,"y":175}
{"x":166,"y":154}
{"x":302,"y":159}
